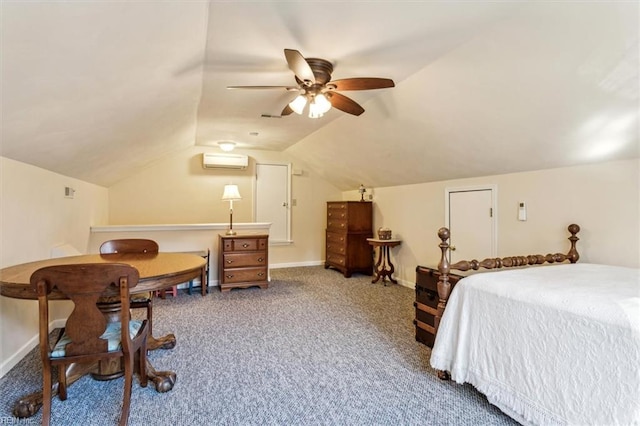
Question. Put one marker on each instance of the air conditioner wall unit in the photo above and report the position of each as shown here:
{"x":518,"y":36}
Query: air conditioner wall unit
{"x":224,"y":161}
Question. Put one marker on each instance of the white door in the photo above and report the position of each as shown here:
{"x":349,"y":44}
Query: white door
{"x":471,"y":222}
{"x":272,"y":199}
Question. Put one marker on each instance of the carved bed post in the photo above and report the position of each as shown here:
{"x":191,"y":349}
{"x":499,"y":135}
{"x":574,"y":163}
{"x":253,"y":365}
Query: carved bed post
{"x":444,"y":287}
{"x":573,"y":255}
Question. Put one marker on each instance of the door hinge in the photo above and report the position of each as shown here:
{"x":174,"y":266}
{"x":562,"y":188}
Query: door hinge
{"x":490,"y":211}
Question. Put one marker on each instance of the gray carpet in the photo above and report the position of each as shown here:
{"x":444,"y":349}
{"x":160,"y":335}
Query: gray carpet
{"x":313,"y":349}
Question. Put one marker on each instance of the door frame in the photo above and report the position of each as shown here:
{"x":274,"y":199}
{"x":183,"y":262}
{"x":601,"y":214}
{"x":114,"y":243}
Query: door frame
{"x":494,"y":206}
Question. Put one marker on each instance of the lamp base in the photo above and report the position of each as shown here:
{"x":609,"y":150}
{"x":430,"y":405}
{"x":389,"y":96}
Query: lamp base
{"x":231,"y":232}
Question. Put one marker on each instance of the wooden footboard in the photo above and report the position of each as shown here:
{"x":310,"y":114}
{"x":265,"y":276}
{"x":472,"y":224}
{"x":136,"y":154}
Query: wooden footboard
{"x":444,"y":267}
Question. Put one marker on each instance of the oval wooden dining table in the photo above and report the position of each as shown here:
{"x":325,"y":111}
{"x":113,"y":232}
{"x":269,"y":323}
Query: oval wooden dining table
{"x":157,"y":272}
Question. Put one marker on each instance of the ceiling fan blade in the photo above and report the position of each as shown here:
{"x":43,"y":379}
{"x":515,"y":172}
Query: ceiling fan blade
{"x":345,"y":104}
{"x":289,"y":88}
{"x":299,"y":66}
{"x":286,"y":111}
{"x":364,"y":83}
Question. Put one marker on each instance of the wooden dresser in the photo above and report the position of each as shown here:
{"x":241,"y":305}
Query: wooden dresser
{"x":427,"y":302}
{"x":243,"y":261}
{"x":349,"y":224}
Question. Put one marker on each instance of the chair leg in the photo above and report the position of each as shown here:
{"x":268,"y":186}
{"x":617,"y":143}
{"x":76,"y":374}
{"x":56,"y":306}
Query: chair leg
{"x":142,"y":361}
{"x":150,"y":315}
{"x":126,"y":397}
{"x":62,"y":382}
{"x":46,"y":395}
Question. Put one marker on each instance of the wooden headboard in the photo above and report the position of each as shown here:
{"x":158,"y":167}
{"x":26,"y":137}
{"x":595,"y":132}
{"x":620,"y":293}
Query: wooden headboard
{"x":444,"y":287}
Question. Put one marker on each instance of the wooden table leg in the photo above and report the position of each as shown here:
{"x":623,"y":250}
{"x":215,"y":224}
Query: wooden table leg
{"x":391,"y":267}
{"x":384,"y":268}
{"x":29,"y":405}
{"x":378,"y":269}
{"x":164,"y":342}
{"x":203,"y":281}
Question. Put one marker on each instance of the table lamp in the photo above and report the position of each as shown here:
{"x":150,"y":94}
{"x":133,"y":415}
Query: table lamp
{"x":231,"y":194}
{"x":362,"y":190}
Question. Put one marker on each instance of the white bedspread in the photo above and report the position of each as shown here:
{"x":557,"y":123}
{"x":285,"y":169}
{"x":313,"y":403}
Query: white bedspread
{"x":548,"y":345}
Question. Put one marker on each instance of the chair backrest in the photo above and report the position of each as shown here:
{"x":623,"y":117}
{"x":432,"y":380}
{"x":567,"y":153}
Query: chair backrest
{"x":84,"y":284}
{"x":133,"y":245}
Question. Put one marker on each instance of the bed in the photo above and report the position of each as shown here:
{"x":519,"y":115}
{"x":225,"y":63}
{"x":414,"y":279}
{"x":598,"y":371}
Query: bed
{"x":548,"y":342}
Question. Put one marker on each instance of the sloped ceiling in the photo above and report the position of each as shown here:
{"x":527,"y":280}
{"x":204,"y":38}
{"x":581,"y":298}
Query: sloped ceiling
{"x":95,"y":90}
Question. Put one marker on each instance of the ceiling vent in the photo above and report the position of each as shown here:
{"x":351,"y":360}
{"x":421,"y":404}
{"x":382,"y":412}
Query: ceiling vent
{"x":224,"y":161}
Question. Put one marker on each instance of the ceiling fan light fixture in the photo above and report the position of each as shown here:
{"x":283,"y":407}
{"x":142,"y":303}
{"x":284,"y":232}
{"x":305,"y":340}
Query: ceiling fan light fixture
{"x":298,"y":104}
{"x":314,"y":110}
{"x":322,"y":103}
{"x":227,"y":146}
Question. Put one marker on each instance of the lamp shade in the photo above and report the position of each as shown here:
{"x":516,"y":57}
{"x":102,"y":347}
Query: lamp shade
{"x":297,"y":105}
{"x":231,"y":193}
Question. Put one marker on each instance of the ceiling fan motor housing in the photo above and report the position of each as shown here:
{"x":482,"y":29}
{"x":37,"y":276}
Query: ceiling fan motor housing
{"x":321,"y":68}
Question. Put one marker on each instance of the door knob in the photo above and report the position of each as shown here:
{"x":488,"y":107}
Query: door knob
{"x":452,"y":248}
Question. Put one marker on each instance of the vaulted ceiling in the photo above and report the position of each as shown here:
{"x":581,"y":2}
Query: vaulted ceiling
{"x":96,"y":90}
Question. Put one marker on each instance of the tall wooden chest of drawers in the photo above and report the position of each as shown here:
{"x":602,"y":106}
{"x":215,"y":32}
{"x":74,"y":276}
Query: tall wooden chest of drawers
{"x":427,"y":302}
{"x":349,"y":224}
{"x":243,"y":261}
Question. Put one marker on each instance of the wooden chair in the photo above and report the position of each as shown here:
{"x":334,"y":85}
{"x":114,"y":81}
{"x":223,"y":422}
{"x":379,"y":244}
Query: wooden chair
{"x":134,"y":245}
{"x":87,"y":336}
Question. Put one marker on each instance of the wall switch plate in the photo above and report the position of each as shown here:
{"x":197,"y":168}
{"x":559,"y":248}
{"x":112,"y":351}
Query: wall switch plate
{"x":522,"y":211}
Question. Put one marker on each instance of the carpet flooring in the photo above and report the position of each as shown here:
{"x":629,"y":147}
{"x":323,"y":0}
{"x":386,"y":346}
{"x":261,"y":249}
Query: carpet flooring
{"x":314,"y":348}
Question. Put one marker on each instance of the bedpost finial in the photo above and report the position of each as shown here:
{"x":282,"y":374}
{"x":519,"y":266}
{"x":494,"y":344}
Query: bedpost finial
{"x":573,"y":229}
{"x":444,"y":234}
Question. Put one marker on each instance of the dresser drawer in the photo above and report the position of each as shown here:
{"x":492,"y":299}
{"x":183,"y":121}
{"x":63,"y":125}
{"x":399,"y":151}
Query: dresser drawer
{"x":336,"y":206}
{"x":333,"y":214}
{"x":337,"y":224}
{"x":244,"y":274}
{"x":336,"y":259}
{"x":337,"y":248}
{"x":336,"y":243}
{"x":237,"y":260}
{"x":336,"y":238}
{"x":244,"y":244}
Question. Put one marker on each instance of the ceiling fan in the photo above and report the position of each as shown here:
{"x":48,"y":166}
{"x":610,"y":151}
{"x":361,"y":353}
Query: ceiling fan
{"x":313,"y":79}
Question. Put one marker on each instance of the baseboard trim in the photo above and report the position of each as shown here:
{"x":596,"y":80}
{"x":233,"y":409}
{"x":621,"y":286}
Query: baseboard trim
{"x":14,"y":359}
{"x":296,"y":264}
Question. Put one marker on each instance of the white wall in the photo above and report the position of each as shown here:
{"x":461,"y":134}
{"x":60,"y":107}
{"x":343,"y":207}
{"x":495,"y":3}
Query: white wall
{"x":35,"y":217}
{"x":604,"y":199}
{"x":177,"y":190}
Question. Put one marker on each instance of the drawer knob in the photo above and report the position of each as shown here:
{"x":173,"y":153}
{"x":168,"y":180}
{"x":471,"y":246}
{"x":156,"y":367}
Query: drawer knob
{"x":260,"y":274}
{"x":261,"y":259}
{"x":245,"y":245}
{"x":229,"y":276}
{"x":229,"y":262}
